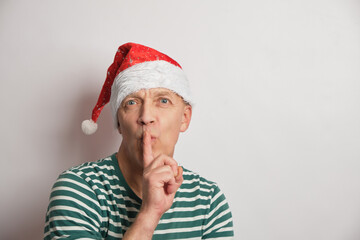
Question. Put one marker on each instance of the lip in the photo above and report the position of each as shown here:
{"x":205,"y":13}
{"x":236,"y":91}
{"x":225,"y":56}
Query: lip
{"x":153,"y":139}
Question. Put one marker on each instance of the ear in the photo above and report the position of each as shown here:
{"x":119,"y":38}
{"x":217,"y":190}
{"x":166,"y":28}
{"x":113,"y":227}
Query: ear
{"x":119,"y":129}
{"x":186,"y":118}
{"x":118,"y":122}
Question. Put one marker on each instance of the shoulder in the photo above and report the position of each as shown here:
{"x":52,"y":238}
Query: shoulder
{"x":199,"y":189}
{"x":204,"y":187}
{"x":102,"y":170}
{"x":193,"y":179}
{"x":89,"y":178}
{"x":75,"y":205}
{"x":97,"y":166}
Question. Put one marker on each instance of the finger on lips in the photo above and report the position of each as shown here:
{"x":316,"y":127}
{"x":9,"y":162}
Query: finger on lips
{"x":147,"y":149}
{"x":151,"y":163}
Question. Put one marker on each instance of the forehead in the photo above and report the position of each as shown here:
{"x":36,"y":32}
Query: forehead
{"x":153,"y":92}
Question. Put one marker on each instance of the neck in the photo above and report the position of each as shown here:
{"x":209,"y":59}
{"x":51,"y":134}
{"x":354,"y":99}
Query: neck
{"x":132,"y":172}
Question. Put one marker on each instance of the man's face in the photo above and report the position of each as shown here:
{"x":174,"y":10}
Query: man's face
{"x":162,"y":112}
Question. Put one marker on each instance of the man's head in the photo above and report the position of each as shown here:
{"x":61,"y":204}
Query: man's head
{"x":135,"y":68}
{"x":161,"y":112}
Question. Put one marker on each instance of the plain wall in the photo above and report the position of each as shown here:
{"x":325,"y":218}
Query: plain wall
{"x":276,"y":122}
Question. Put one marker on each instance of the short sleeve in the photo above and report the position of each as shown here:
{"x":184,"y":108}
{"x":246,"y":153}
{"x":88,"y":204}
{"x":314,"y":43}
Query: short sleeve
{"x":218,"y":222}
{"x":74,"y":211}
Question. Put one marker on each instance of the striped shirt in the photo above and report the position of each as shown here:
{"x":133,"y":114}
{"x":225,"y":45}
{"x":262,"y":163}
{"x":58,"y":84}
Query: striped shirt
{"x":93,"y":201}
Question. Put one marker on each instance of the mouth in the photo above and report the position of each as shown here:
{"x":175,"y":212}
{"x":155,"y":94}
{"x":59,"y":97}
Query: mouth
{"x":153,"y":139}
{"x":152,"y":131}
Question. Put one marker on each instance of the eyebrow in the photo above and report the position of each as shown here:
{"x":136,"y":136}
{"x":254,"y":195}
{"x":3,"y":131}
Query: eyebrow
{"x":157,"y":93}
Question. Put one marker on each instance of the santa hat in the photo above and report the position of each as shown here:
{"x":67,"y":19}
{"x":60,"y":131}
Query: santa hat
{"x":137,"y":67}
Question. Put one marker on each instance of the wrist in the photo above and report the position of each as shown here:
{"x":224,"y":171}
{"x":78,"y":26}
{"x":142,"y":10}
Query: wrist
{"x":155,"y":212}
{"x":143,"y":227}
{"x":148,"y":220}
{"x":149,"y":216}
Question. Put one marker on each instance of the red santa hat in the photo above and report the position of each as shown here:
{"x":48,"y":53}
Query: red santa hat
{"x":137,"y":67}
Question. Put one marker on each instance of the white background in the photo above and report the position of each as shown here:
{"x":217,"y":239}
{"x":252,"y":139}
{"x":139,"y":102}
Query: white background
{"x":277,"y":119}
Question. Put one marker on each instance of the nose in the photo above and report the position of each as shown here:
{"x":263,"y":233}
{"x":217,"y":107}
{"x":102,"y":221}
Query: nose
{"x":146,"y":116}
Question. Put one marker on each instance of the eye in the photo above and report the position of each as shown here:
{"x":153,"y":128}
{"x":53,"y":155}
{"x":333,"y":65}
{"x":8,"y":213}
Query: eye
{"x":131,"y":102}
{"x":164,"y":100}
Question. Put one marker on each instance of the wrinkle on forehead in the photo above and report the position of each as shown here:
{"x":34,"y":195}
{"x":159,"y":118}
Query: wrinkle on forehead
{"x":153,"y":92}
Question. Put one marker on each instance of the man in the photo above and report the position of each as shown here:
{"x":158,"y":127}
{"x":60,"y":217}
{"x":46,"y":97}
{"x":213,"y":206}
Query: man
{"x":139,"y":192}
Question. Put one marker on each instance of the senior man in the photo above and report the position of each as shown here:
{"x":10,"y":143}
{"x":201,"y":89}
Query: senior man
{"x":139,"y":192}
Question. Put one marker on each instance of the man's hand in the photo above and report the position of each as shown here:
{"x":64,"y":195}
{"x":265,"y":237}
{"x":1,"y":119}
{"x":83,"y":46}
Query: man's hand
{"x":162,"y":177}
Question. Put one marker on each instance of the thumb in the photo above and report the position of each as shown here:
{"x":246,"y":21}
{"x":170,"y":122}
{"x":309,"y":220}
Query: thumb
{"x":174,"y":186}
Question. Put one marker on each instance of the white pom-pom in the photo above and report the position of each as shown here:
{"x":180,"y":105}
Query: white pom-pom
{"x":89,"y":127}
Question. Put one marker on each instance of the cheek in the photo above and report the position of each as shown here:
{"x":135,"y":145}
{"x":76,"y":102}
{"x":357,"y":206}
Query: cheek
{"x":172,"y":129}
{"x":127,"y":126}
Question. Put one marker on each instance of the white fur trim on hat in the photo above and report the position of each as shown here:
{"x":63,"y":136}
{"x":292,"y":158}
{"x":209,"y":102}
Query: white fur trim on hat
{"x":146,"y":75}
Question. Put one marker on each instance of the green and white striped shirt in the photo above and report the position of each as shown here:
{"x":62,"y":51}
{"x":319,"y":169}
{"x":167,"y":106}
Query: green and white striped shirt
{"x":93,"y":201}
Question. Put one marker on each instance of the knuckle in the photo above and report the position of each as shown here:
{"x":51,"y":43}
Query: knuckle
{"x":168,"y":168}
{"x":149,"y":179}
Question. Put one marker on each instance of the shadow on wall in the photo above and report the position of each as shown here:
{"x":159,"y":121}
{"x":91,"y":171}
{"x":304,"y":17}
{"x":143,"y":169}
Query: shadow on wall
{"x":84,"y":148}
{"x":105,"y":141}
{"x":74,"y":145}
{"x":72,"y":148}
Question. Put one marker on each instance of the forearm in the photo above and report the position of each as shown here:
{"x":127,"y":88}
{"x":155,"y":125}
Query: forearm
{"x":161,"y":179}
{"x":143,"y":227}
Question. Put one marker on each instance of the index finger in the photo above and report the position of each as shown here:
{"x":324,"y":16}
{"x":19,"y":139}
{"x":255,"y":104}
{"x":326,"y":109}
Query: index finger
{"x":147,"y":149}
